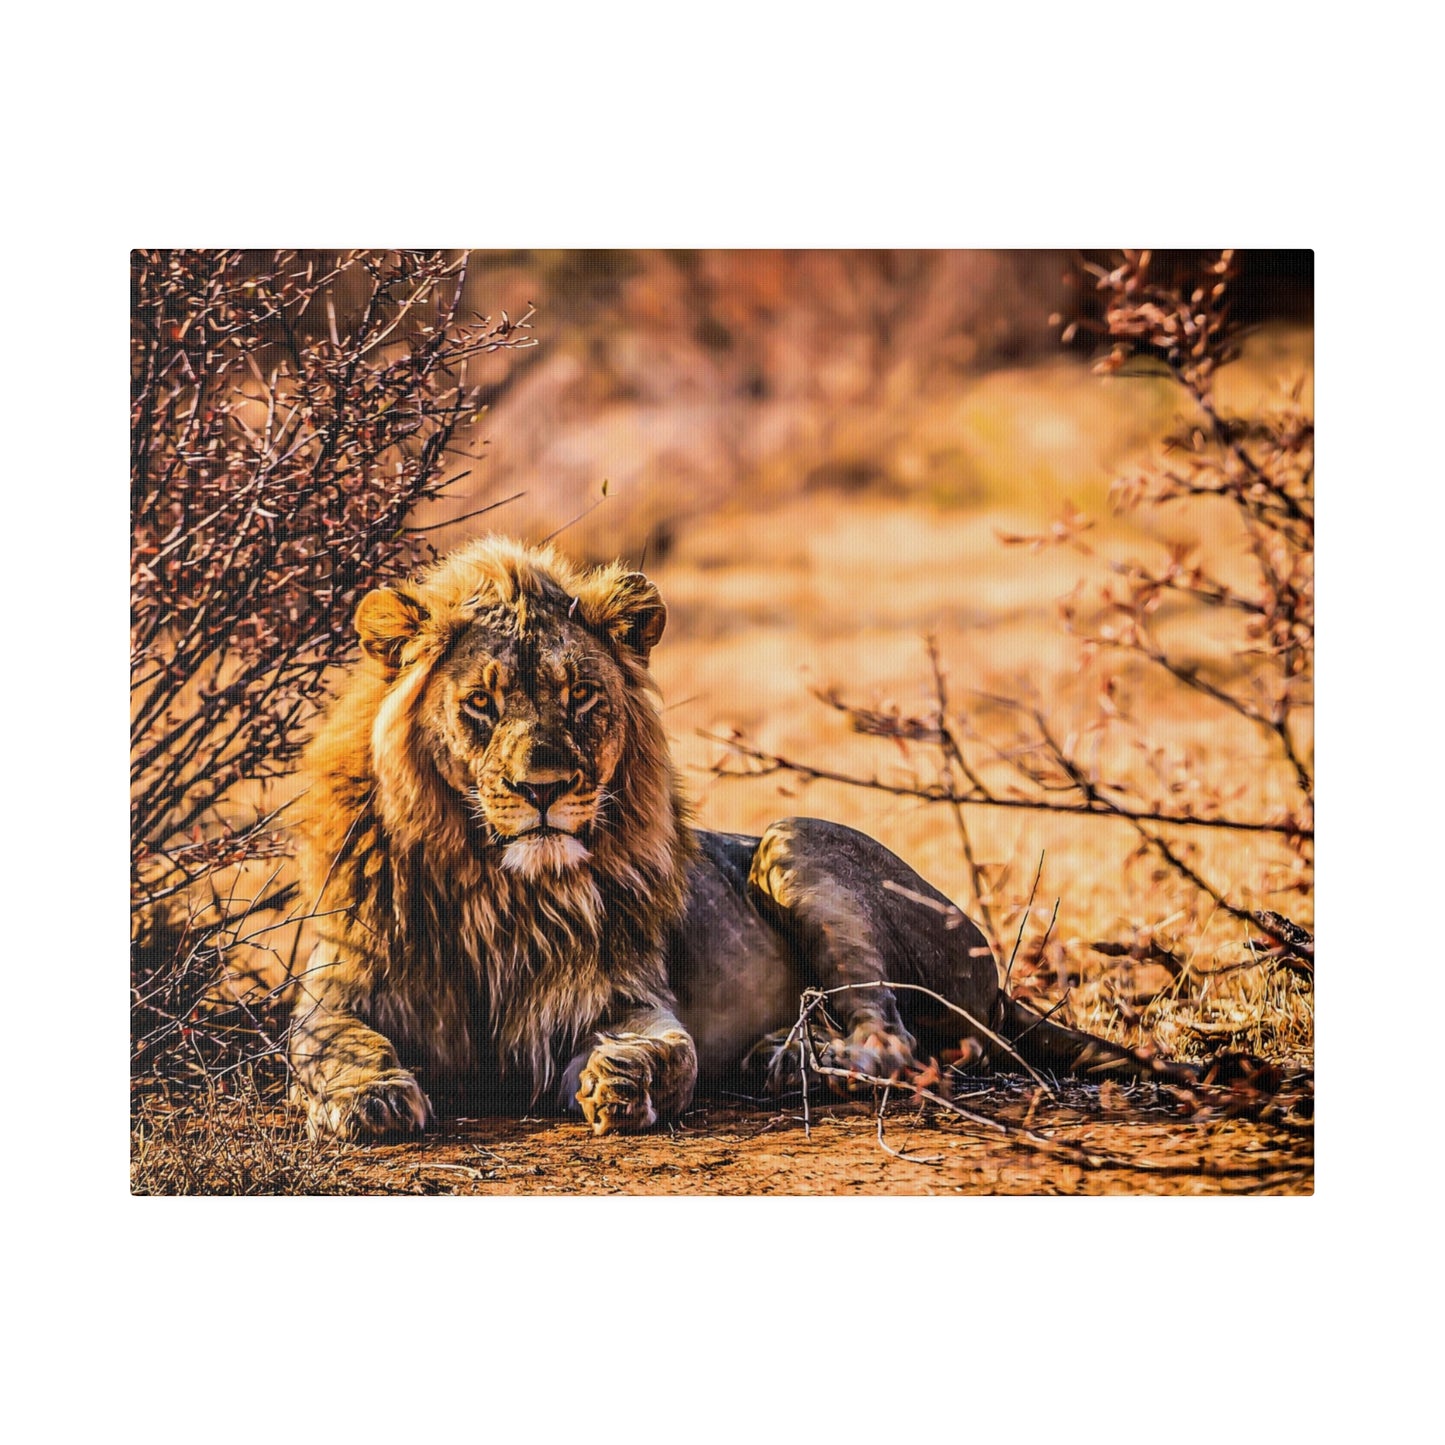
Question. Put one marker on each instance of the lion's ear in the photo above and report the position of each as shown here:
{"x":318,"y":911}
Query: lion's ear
{"x":632,"y":610}
{"x":386,"y":621}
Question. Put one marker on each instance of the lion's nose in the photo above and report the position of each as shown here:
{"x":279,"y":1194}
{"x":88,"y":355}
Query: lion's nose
{"x":542,"y":795}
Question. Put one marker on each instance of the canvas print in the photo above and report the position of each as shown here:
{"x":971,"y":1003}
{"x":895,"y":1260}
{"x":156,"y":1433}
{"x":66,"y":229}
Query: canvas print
{"x":722,"y":722}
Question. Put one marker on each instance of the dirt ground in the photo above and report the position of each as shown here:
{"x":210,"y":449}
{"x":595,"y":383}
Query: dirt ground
{"x":1118,"y":1140}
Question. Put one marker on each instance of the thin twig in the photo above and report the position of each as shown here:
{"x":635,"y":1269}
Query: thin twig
{"x":1023,"y":923}
{"x":931,"y":1159}
{"x":1045,"y":1017}
{"x":465,"y":516}
{"x":777,"y":762}
{"x":585,"y":512}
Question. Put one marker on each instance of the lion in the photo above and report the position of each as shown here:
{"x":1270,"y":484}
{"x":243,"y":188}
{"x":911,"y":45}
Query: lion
{"x":515,"y":908}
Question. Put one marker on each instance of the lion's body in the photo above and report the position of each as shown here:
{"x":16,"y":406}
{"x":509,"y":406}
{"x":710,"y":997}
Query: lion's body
{"x":513,"y":907}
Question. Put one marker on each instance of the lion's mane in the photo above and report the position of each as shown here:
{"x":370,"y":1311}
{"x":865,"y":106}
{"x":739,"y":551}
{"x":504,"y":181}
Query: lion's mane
{"x":436,"y":941}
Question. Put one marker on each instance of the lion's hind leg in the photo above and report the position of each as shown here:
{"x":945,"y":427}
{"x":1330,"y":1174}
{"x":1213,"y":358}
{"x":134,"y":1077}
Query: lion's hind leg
{"x":907,"y":974}
{"x":820,"y":902}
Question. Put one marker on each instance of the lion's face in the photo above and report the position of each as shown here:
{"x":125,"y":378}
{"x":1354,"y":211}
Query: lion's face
{"x":529,"y":728}
{"x":518,"y":689}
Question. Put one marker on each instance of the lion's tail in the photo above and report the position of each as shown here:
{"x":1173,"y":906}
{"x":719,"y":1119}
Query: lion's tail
{"x":1057,"y":1049}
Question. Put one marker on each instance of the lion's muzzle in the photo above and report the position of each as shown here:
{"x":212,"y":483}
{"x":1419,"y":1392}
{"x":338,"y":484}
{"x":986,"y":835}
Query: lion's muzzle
{"x":542,"y":794}
{"x":538,"y":821}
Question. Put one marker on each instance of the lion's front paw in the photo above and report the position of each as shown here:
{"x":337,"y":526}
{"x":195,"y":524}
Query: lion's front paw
{"x":391,"y":1103}
{"x":632,"y":1080}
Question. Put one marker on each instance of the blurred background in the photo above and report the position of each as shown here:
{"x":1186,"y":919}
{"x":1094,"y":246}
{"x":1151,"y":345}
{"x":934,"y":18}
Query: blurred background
{"x":699,"y":383}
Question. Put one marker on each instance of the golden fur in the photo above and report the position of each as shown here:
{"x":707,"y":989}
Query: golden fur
{"x":495,"y":847}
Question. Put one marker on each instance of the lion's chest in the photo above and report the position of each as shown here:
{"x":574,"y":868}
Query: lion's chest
{"x":501,"y":983}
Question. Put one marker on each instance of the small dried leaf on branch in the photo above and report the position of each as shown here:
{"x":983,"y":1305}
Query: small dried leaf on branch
{"x":1065,"y":530}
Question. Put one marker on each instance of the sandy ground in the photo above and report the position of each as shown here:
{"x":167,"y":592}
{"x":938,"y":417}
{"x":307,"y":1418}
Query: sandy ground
{"x":1133,"y":1144}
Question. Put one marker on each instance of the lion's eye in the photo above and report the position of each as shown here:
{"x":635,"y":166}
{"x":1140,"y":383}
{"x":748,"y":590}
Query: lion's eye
{"x":584,"y":696}
{"x":482,"y":706}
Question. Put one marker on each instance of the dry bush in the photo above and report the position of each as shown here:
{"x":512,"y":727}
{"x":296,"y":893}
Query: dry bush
{"x":288,"y":412}
{"x":273,"y":468}
{"x":1214,"y":627}
{"x":227,"y":1143}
